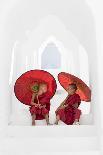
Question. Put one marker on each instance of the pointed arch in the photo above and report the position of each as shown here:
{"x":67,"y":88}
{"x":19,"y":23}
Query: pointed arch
{"x":51,"y":57}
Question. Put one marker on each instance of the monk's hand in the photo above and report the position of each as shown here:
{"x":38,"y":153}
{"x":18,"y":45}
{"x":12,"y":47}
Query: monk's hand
{"x":38,"y":105}
{"x":63,"y":106}
{"x":44,"y":106}
{"x":32,"y":103}
{"x":75,"y":105}
{"x":35,"y":104}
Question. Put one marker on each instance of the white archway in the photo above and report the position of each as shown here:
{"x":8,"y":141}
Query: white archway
{"x":64,"y":40}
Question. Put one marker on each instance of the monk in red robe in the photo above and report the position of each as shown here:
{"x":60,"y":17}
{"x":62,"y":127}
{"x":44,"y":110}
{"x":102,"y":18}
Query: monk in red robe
{"x":68,"y":111}
{"x":40,"y":104}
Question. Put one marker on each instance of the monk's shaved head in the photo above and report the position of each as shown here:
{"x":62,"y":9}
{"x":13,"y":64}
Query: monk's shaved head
{"x":42,"y":88}
{"x":73,"y":85}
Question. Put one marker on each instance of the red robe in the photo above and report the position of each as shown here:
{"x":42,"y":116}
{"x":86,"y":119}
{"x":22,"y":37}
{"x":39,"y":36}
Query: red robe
{"x":69,"y":114}
{"x":44,"y":99}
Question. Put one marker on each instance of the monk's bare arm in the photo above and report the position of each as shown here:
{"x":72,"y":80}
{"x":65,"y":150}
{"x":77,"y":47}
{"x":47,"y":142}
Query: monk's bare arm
{"x":43,"y":106}
{"x":33,"y":97}
{"x":62,"y":104}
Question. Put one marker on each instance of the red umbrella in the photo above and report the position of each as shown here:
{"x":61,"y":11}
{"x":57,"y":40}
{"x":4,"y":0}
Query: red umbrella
{"x":28,"y":82}
{"x":83,"y":90}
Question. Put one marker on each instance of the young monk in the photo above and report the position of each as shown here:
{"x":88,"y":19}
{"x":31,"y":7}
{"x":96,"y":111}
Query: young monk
{"x":68,"y":111}
{"x":40,"y":104}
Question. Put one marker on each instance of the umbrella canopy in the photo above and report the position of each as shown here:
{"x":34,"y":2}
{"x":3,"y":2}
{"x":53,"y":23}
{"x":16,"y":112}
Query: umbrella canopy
{"x":83,"y":90}
{"x":29,"y":82}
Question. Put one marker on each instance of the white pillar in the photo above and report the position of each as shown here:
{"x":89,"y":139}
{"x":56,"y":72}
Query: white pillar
{"x":98,"y":11}
{"x":95,"y":6}
{"x":5,"y":56}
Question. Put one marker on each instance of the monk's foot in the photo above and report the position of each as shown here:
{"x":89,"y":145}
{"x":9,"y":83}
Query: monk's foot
{"x":56,"y":123}
{"x":49,"y":124}
{"x":76,"y":123}
{"x":33,"y":123}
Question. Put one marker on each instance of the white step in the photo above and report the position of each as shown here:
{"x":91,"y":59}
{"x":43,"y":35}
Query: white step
{"x":51,"y":131}
{"x":30,"y":145}
{"x":49,"y":153}
{"x":39,"y":139}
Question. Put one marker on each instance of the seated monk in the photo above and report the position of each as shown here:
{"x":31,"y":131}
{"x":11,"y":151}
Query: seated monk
{"x":40,"y":104}
{"x":68,"y":111}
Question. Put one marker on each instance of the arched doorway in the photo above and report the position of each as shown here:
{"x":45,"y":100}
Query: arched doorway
{"x":51,"y":57}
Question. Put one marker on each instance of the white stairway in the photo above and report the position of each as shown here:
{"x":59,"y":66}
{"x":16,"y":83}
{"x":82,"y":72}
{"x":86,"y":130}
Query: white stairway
{"x":28,"y":140}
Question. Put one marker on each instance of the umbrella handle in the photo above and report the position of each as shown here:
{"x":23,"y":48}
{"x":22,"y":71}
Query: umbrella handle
{"x":37,"y":99}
